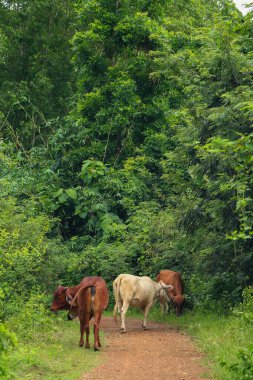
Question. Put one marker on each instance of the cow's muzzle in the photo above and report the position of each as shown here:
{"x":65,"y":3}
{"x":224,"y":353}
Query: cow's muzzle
{"x":70,"y":317}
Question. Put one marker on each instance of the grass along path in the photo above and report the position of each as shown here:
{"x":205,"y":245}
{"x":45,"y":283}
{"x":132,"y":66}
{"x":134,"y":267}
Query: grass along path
{"x":54,"y":356}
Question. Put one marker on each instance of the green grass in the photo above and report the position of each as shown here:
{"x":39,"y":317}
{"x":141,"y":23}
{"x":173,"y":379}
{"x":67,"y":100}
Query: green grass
{"x":54,"y":355}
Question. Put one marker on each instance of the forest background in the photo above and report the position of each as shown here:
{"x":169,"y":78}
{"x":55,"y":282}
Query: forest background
{"x":126,"y":146}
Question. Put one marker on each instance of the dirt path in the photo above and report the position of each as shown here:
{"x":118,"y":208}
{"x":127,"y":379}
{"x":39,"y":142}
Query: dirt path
{"x":156,"y":354}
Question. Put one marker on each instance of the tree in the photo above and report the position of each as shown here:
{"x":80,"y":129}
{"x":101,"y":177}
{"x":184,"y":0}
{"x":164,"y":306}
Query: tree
{"x":36,"y":72}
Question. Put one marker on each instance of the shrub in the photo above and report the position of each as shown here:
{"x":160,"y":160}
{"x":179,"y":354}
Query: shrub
{"x":7,"y":340}
{"x":33,"y":318}
{"x":245,"y":309}
{"x":243,"y":368}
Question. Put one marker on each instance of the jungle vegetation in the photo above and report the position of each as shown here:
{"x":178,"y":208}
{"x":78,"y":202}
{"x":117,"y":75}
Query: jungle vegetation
{"x":126,"y":146}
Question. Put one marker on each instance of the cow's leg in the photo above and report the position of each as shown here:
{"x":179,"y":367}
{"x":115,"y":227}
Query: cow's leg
{"x":123,"y":311}
{"x":170,"y":307}
{"x":166,"y":306}
{"x":162,"y":306}
{"x":120,"y":304}
{"x":99,"y":319}
{"x":87,"y":330}
{"x":146,"y":311}
{"x":96,"y":331}
{"x":82,"y":328}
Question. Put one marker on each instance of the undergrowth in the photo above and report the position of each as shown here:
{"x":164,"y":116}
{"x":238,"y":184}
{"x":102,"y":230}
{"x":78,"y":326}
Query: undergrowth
{"x":52,"y":354}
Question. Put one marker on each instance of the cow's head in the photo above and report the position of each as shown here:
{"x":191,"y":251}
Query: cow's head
{"x":164,"y":286}
{"x":178,"y":303}
{"x":60,"y":300}
{"x":164,"y":290}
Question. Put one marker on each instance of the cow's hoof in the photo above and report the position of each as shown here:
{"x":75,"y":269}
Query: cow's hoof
{"x":87,"y":346}
{"x":122,"y":331}
{"x":80,"y":344}
{"x":96,"y":349}
{"x":144,"y":327}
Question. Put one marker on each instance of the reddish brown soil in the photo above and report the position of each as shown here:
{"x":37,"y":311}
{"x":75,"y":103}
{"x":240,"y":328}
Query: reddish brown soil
{"x":160,"y":353}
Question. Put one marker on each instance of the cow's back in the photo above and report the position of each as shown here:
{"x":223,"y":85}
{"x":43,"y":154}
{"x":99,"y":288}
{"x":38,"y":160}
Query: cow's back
{"x":146,"y":288}
{"x":137,"y":290}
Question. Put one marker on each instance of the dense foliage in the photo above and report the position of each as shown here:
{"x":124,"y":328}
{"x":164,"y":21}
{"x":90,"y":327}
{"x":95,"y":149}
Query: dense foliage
{"x":126,"y":146}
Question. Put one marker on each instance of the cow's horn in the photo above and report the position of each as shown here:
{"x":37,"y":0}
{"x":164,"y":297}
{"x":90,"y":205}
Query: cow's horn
{"x":164,"y":286}
{"x":69,"y":299}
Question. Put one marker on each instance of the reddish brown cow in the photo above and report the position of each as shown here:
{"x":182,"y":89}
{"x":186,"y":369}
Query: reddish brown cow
{"x":86,"y":300}
{"x":175,"y":294}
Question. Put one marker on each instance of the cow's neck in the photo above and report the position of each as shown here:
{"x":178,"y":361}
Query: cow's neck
{"x":73,"y":290}
{"x":158,"y":289}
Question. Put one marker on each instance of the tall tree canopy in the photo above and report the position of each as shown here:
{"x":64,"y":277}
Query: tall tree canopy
{"x":127,"y":134}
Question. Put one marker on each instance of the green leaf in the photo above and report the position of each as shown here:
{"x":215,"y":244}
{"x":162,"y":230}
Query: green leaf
{"x":72,"y":193}
{"x":58,"y":193}
{"x":83,"y":214}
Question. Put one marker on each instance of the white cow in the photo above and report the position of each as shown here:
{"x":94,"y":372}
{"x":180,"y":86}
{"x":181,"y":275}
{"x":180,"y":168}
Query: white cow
{"x":136,"y":291}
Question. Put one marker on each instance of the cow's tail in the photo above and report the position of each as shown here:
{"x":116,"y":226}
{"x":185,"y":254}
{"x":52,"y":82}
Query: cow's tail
{"x":72,"y":301}
{"x":116,"y":291}
{"x":83,"y":288}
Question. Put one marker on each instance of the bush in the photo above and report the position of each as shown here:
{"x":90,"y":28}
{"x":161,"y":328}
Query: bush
{"x":242,"y":323}
{"x":33,"y":318}
{"x":7,"y":340}
{"x":243,"y":368}
{"x":245,"y":309}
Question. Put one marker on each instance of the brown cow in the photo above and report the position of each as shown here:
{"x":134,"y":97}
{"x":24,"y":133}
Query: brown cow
{"x":86,"y":300}
{"x":175,"y":294}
